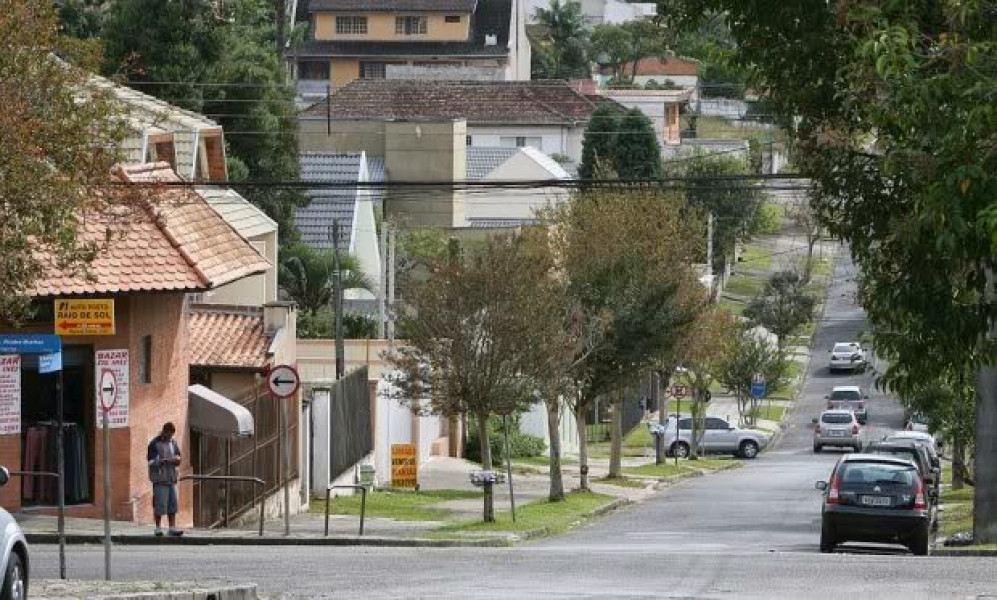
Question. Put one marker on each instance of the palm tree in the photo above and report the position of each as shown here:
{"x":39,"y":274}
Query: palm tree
{"x":307,"y":275}
{"x":567,"y":55}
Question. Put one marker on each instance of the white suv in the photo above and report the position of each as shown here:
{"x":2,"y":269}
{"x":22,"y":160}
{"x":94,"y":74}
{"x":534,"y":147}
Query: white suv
{"x":837,"y":428}
{"x":848,"y":356}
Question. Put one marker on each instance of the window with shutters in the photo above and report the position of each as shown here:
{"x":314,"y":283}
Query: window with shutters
{"x":411,"y":25}
{"x":351,"y":25}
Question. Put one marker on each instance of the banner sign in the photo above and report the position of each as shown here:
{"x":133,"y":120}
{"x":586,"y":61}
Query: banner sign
{"x":111,"y":375}
{"x":10,"y":394}
{"x":404,"y":468}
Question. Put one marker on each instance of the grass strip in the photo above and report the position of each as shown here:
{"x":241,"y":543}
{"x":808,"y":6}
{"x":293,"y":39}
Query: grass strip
{"x":402,"y":505}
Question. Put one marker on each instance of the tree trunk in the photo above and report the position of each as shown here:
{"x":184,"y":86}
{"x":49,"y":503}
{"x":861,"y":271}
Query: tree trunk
{"x":583,"y":449}
{"x":486,"y":464}
{"x":616,"y":442}
{"x":280,"y":8}
{"x":958,"y":463}
{"x":554,"y":431}
{"x":985,"y":471}
{"x":659,"y":440}
{"x":698,"y":425}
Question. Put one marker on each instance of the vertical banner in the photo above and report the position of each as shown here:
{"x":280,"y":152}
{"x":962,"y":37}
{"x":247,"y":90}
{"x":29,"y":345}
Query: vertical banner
{"x":404,"y":469}
{"x":111,"y":375}
{"x":10,"y":394}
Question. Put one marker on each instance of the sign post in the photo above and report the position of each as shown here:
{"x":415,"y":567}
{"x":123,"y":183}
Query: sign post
{"x":679,"y":392}
{"x":108,"y":398}
{"x":283,"y":382}
{"x":757,"y":392}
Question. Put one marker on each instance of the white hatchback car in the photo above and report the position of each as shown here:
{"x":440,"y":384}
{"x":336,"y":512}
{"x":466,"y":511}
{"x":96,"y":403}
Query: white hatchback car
{"x":848,"y":356}
{"x":15,"y":553}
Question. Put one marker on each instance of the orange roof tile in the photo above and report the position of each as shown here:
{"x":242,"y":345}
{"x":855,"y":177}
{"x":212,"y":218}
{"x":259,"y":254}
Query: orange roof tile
{"x":227,"y":338}
{"x":656,"y":66}
{"x":179,"y":244}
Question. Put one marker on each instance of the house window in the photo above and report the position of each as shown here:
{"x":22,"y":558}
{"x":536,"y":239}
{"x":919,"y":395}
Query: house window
{"x":213,"y":158}
{"x":351,"y":25}
{"x":469,"y":141}
{"x":411,"y":25}
{"x":145,"y":360}
{"x":521,"y":141}
{"x":313,"y":70}
{"x":452,"y":19}
{"x":372,"y":70}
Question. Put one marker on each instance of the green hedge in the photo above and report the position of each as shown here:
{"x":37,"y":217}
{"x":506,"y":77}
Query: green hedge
{"x":521,"y":445}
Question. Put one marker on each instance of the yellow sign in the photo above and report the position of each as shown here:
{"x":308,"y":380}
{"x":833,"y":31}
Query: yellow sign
{"x":404,"y":466}
{"x":84,"y":317}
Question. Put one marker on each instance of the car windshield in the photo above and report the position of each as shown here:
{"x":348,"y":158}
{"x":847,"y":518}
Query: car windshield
{"x":846,"y":395}
{"x":876,"y":473}
{"x":837,"y":418}
{"x":899,"y":452}
{"x":844,"y":348}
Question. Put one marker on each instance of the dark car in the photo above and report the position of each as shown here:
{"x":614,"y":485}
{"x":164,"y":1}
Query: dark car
{"x":913,"y":451}
{"x":875,"y":498}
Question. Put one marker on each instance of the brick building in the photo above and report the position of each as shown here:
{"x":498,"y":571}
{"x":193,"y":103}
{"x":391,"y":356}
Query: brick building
{"x":175,"y":246}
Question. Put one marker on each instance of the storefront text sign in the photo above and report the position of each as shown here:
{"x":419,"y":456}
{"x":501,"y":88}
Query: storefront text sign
{"x":84,"y":317}
{"x":10,"y":394}
{"x":404,"y":468}
{"x":112,"y":372}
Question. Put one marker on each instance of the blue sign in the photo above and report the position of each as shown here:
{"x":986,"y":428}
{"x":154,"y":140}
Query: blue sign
{"x":30,"y":344}
{"x":757,"y":390}
{"x":50,"y":363}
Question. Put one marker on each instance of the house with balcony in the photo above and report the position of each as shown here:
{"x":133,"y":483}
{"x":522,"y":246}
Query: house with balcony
{"x":426,"y":39}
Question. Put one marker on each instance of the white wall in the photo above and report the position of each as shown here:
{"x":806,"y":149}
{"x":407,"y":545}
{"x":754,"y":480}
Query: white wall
{"x":364,"y":242}
{"x":394,"y":426}
{"x":534,"y":422}
{"x":554,"y":140}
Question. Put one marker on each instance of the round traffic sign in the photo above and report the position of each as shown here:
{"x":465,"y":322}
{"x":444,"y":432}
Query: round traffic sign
{"x":283,"y":381}
{"x":108,"y":390}
{"x":679,"y":391}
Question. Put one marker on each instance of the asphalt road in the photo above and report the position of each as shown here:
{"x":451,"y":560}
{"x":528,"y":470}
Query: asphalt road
{"x":748,"y":533}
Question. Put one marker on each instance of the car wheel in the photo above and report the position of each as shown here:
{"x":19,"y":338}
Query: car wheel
{"x":827,"y":541}
{"x":919,"y":543}
{"x":680,"y":449}
{"x":748,"y":449}
{"x":15,"y":582}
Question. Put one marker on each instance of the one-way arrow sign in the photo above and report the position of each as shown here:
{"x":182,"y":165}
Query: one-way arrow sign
{"x":283,"y":381}
{"x":108,"y":390}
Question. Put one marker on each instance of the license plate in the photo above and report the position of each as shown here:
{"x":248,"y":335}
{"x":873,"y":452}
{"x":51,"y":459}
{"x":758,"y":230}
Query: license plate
{"x":837,"y":433}
{"x":876,"y":500}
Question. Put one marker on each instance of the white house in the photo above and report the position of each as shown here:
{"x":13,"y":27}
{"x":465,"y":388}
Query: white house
{"x":663,"y":107}
{"x":496,"y":208}
{"x":601,"y":11}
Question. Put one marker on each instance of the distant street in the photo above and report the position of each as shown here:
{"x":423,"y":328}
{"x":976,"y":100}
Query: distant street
{"x":747,"y":533}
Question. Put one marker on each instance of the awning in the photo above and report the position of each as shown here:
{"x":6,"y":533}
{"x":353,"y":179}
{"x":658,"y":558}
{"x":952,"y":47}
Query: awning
{"x":214,"y":414}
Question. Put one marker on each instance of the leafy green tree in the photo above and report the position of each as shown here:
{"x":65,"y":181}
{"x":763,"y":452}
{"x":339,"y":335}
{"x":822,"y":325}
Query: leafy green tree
{"x":565,"y":52}
{"x":598,"y":144}
{"x":82,"y":18}
{"x":307,"y":276}
{"x":57,"y":154}
{"x":637,"y":152}
{"x":749,"y":353}
{"x":782,"y":306}
{"x":610,"y":46}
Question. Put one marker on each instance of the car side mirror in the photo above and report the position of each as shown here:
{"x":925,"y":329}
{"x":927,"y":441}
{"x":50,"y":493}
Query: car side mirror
{"x":4,"y":476}
{"x":820,"y":485}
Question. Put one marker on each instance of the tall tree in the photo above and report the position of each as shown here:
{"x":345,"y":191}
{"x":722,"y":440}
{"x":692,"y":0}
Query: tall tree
{"x":749,"y":353}
{"x":783,"y":305}
{"x":307,"y":276}
{"x":637,"y":152}
{"x":82,"y":18}
{"x":565,"y":53}
{"x":466,"y":329}
{"x":57,"y":151}
{"x":806,"y":220}
{"x":598,"y":144}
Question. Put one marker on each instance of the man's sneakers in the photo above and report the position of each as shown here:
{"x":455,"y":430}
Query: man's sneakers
{"x":175,"y":532}
{"x":158,"y":532}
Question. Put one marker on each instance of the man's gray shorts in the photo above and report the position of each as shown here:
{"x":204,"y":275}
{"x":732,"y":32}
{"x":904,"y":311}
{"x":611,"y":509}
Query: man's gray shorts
{"x":164,"y":499}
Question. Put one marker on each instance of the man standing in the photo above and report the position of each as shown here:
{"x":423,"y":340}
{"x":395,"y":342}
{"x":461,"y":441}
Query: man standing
{"x":164,"y":457}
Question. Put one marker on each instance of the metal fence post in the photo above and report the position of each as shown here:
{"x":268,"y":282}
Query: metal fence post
{"x":363,"y":506}
{"x":328,"y":496}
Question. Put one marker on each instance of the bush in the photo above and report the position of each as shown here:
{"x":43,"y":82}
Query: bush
{"x":321,"y":324}
{"x":521,"y":445}
{"x":768,"y":219}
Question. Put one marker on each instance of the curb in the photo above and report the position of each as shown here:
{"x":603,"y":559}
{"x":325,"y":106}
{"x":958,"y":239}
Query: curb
{"x":246,"y":592}
{"x":665,"y":482}
{"x":193,"y":540}
{"x":968,"y":552}
{"x":595,"y":512}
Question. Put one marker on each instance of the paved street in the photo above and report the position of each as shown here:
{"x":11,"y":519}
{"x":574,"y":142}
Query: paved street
{"x":748,"y":533}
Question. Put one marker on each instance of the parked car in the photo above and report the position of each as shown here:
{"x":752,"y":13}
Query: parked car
{"x":875,"y":498}
{"x":719,"y":437}
{"x":849,"y":397}
{"x":15,"y":553}
{"x":848,"y":356}
{"x":913,"y":451}
{"x":837,"y":428}
{"x":919,"y":437}
{"x":919,"y":422}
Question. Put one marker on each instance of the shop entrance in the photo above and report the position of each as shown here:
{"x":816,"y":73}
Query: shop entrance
{"x":39,"y":426}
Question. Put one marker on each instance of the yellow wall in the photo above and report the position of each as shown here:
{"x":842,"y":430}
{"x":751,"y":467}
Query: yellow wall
{"x":381,"y":27}
{"x":344,"y":70}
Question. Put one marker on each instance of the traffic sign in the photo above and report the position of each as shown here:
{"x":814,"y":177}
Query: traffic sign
{"x":679,"y":391}
{"x":108,"y":390}
{"x":30,"y":344}
{"x":84,"y":317}
{"x":283,"y":381}
{"x":50,"y":363}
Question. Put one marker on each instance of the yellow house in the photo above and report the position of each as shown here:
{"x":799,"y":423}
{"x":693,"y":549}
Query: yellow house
{"x":410,"y":39}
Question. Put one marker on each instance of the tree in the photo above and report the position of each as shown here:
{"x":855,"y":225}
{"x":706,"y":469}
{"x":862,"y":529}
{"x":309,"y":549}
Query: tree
{"x":565,"y":53}
{"x":628,"y":42}
{"x":82,"y":18}
{"x":466,"y":331}
{"x":598,"y":144}
{"x":749,"y":353}
{"x":911,"y":192}
{"x":782,"y":306}
{"x":637,"y":152}
{"x":60,"y":139}
{"x":610,"y":46}
{"x":806,"y":220}
{"x":307,"y":276}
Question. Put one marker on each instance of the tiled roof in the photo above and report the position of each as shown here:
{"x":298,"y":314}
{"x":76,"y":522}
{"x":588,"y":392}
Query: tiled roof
{"x":482,"y":160}
{"x":248,"y":220}
{"x":315,"y":220}
{"x":657,"y":66}
{"x":460,"y":6}
{"x":227,"y":338}
{"x":536,"y":102}
{"x":178,"y":244}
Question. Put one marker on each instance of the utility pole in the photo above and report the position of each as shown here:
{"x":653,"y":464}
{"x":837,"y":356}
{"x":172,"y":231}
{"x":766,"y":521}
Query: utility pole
{"x":709,"y":254}
{"x":337,"y":292}
{"x":382,"y":251}
{"x":391,"y":289}
{"x":659,"y":440}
